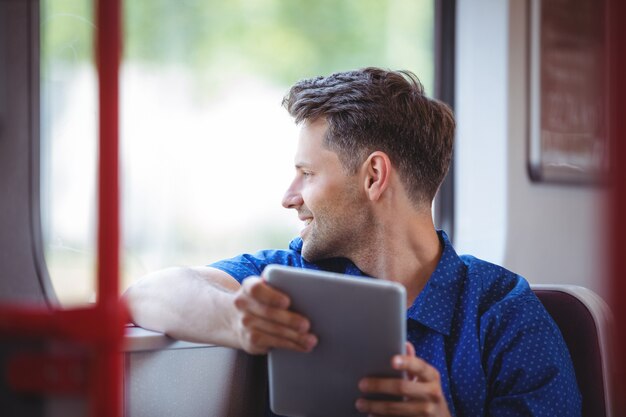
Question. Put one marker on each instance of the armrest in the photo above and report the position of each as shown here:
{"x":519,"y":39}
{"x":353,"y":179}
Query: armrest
{"x":139,"y":339}
{"x":165,"y":377}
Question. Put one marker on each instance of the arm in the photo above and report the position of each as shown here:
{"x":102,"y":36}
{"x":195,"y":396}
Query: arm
{"x":207,"y":305}
{"x":527,"y":362}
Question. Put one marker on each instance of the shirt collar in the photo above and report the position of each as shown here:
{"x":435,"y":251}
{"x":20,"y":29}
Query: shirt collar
{"x":434,"y":307}
{"x":296,"y":244}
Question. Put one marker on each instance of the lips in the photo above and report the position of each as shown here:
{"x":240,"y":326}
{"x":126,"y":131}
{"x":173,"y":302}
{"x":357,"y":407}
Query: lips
{"x":307,"y":223}
{"x":307,"y":218}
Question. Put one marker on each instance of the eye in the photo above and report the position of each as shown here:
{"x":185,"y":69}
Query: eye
{"x":307,"y":174}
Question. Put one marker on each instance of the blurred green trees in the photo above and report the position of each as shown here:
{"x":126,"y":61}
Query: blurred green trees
{"x":280,"y":40}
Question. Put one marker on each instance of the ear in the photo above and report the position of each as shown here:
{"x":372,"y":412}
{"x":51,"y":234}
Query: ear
{"x":377,"y":171}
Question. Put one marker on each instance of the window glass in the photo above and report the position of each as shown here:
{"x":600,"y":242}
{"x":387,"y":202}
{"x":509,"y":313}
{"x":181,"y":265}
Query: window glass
{"x":68,"y":146}
{"x":207,"y":149}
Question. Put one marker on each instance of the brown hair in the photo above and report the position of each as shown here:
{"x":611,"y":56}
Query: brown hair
{"x":372,"y":109}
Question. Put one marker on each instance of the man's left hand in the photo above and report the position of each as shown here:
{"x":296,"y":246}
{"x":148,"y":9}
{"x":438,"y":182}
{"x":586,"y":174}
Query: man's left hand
{"x":421,"y":390}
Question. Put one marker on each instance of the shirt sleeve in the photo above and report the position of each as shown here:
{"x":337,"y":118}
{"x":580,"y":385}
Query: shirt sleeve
{"x":527,"y":362}
{"x":246,"y":265}
{"x":242,"y":266}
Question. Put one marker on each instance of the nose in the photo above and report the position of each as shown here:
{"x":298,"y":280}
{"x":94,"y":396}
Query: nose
{"x":292,"y":198}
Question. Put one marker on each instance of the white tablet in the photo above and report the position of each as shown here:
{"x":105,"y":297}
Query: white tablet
{"x":360,"y":324}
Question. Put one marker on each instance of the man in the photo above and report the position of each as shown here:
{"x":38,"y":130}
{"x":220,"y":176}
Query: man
{"x":372,"y":152}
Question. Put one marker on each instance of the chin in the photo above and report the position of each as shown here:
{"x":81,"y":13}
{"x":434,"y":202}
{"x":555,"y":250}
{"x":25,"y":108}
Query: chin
{"x":307,"y":255}
{"x":310,"y":254}
{"x":313,"y":253}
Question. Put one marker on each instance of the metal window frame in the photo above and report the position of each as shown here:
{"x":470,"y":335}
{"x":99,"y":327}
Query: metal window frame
{"x":19,"y":136}
{"x":445,"y":50}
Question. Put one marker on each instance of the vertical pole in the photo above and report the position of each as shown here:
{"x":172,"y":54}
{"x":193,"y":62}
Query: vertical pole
{"x":107,"y":381}
{"x":617,"y":229}
{"x":108,"y":58}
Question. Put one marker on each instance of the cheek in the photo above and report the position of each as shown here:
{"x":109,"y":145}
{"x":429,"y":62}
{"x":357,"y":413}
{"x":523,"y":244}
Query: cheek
{"x":312,"y":200}
{"x":328,"y":192}
{"x":321,"y":194}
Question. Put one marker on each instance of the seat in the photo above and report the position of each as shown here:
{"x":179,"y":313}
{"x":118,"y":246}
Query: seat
{"x":585,"y":322}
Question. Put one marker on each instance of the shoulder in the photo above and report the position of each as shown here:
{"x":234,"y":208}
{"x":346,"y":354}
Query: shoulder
{"x":523,"y":353}
{"x":251,"y":264}
{"x":481,"y":285}
{"x":495,"y":287}
{"x":493,"y":277}
{"x":507,"y":308}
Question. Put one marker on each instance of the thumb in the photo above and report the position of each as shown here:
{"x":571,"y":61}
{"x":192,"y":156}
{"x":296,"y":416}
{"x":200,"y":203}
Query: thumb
{"x":410,"y":350}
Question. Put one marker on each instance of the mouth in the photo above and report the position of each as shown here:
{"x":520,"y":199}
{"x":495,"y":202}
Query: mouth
{"x":307,"y":223}
{"x":307,"y":218}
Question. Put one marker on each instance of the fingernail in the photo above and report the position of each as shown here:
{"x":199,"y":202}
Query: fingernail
{"x":360,"y":405}
{"x":398,"y":361}
{"x":309,"y":342}
{"x":362,"y":385}
{"x":304,"y":326}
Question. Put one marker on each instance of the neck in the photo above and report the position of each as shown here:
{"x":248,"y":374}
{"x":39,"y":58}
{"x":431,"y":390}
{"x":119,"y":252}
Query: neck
{"x":406,"y":252}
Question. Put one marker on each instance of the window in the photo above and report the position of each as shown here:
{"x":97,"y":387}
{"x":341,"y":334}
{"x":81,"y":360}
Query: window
{"x":207,"y":149}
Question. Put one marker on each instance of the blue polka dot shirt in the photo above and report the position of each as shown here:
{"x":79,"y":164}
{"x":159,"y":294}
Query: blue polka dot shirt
{"x":498,"y":351}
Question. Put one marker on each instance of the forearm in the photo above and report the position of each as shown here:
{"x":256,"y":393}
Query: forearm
{"x":186,"y":304}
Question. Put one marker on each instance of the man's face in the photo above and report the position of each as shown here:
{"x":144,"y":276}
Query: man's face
{"x":331,"y":203}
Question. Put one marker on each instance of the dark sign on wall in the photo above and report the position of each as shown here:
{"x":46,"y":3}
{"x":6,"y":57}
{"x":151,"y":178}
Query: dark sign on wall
{"x":568,"y":91}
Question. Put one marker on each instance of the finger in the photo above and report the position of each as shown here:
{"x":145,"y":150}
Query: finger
{"x":304,"y":341}
{"x":257,"y":342}
{"x":410,"y":350}
{"x":256,"y":288}
{"x":250,"y":306}
{"x":393,"y":408}
{"x":399,"y":387}
{"x":416,"y":367}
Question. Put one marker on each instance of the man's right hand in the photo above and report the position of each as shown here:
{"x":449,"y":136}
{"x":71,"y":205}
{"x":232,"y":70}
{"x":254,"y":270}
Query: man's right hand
{"x":263,"y":320}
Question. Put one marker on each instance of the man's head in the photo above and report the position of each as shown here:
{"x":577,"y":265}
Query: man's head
{"x":372,"y":110}
{"x":329,"y":201}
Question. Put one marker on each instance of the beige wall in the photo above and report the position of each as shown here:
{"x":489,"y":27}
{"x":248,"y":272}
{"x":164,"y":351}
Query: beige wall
{"x":549,"y":233}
